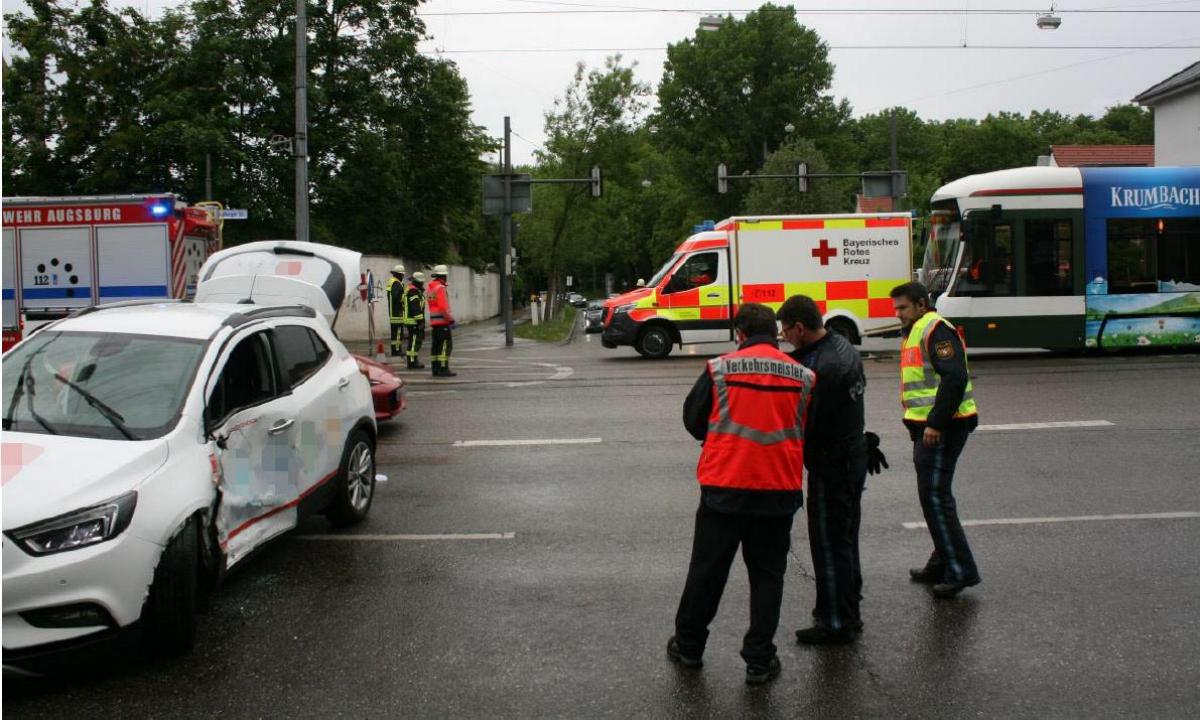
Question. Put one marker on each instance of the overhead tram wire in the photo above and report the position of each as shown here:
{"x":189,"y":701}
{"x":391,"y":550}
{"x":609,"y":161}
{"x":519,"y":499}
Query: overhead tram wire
{"x":499,"y":51}
{"x":594,"y":10}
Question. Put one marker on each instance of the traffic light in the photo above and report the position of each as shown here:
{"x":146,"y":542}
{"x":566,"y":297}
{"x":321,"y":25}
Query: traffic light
{"x":802,"y":177}
{"x":722,"y":179}
{"x":597,"y":182}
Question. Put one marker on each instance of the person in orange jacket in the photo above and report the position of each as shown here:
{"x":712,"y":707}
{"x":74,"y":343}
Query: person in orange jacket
{"x":442,"y":322}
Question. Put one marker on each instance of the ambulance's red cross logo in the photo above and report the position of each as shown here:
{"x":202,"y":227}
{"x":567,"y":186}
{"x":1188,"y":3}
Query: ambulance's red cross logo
{"x":824,"y":252}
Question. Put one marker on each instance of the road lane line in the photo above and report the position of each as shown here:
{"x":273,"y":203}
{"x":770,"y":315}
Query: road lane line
{"x":1076,"y":518}
{"x":408,"y":538}
{"x":543,"y":441}
{"x":1047,"y":425}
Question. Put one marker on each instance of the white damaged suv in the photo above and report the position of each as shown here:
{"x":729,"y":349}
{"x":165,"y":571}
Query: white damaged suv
{"x":149,"y":447}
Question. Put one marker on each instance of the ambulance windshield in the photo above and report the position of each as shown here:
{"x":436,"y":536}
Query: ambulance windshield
{"x":662,"y":271}
{"x":941,"y":249}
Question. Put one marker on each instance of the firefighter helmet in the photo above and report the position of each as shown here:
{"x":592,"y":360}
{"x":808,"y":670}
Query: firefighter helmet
{"x":440,"y":270}
{"x":398,"y":269}
{"x":418,"y":276}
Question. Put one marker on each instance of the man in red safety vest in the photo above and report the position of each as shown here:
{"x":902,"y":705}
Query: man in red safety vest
{"x":749,"y":409}
{"x":442,"y":322}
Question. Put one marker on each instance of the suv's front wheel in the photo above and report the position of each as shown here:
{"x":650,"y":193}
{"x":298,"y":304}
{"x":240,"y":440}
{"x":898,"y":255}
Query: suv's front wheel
{"x":355,"y":481}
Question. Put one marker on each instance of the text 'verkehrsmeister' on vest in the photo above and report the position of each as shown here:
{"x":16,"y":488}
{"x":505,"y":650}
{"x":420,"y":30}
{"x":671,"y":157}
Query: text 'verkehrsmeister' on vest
{"x":764,"y":366}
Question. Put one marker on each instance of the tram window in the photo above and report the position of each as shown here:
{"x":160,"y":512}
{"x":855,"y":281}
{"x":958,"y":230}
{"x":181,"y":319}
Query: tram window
{"x":986,"y":268}
{"x":1179,"y":254}
{"x":1048,"y":257}
{"x":1153,"y":255}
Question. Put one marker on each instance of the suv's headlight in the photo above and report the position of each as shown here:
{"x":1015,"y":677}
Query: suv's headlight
{"x":624,"y":308}
{"x":77,"y":529}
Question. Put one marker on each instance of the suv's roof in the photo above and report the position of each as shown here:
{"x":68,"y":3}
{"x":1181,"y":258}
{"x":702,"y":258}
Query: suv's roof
{"x":180,"y":320}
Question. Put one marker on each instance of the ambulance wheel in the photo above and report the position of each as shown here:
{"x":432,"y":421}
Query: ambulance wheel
{"x":845,"y":328}
{"x":654,"y":342}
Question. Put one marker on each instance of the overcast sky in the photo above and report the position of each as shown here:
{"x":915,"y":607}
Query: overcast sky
{"x":519,"y":55}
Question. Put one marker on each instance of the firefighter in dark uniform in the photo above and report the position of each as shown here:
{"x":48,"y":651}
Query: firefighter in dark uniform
{"x":414,"y":320}
{"x":838,"y":455}
{"x":395,"y":296}
{"x":748,"y":408}
{"x":940,"y":412}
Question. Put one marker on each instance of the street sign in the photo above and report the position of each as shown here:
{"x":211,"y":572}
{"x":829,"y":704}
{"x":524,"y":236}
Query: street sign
{"x":493,"y":194}
{"x":235,"y":214}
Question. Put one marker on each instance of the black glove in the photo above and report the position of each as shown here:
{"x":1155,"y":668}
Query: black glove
{"x":875,"y":456}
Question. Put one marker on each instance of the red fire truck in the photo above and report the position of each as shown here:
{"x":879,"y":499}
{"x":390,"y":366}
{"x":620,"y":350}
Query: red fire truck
{"x":66,"y":253}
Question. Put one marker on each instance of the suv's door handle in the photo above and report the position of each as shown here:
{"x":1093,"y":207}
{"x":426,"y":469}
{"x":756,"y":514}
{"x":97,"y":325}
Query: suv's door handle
{"x":281,"y":426}
{"x":343,"y":383}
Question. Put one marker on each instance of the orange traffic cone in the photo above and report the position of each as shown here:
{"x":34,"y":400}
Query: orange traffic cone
{"x":379,"y":356}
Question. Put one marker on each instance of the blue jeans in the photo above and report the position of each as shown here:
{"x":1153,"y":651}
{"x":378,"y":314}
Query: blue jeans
{"x":935,"y":473}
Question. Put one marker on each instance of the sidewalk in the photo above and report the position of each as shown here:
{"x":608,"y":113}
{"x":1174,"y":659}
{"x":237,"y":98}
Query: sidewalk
{"x":467,"y":336}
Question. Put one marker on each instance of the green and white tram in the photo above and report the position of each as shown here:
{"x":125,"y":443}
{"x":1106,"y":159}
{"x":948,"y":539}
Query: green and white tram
{"x":1069,"y":257}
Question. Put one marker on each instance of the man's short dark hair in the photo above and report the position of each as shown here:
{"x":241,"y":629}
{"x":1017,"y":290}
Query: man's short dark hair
{"x":755,"y":319}
{"x":801,"y":309}
{"x":915,"y":292}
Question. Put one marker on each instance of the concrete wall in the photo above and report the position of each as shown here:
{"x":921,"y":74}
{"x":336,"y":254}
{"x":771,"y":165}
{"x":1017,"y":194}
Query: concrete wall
{"x":472,"y":297}
{"x":1177,"y":129}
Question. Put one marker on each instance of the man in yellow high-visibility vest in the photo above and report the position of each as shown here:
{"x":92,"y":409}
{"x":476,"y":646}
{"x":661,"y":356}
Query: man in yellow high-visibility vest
{"x":940,"y":412}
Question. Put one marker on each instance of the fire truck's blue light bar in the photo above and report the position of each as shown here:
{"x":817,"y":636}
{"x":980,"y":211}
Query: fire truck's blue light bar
{"x":160,"y":209}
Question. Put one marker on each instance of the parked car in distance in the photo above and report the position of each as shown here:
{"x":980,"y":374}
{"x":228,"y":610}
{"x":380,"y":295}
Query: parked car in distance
{"x":161,"y":443}
{"x":577,"y":300}
{"x":593,"y":317}
{"x":387,"y":388}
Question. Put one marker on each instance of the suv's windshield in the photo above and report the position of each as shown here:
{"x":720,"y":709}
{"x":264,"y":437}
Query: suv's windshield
{"x":103,"y":385}
{"x":940,"y":251}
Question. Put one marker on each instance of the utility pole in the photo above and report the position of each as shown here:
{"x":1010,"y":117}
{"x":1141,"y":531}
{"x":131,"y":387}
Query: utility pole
{"x":208,"y":176}
{"x":506,"y":225}
{"x":300,"y":142}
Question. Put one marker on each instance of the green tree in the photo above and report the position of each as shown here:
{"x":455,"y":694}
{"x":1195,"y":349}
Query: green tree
{"x":782,"y":197}
{"x":729,"y":96}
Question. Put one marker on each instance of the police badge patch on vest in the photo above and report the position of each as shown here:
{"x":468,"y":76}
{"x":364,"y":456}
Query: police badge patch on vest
{"x":944,"y":350}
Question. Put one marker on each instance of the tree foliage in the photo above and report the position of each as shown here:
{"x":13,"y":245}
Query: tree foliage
{"x":104,"y":101}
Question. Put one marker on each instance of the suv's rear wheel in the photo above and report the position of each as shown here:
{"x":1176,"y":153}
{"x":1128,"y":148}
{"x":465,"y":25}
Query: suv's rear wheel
{"x":355,"y":481}
{"x":169,"y":615}
{"x":654,"y":342}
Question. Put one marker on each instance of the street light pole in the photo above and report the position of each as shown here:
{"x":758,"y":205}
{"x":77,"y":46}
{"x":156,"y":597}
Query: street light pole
{"x":300,"y":142}
{"x":506,"y":220}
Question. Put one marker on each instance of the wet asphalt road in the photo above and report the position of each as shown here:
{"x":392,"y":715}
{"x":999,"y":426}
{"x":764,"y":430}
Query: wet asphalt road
{"x":562,"y":604}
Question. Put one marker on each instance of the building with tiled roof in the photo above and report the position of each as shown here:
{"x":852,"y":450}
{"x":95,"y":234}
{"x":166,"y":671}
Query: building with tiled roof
{"x":1176,"y":105}
{"x":1101,"y":156}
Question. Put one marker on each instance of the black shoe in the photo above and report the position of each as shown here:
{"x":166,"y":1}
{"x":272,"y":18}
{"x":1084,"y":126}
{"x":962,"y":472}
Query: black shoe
{"x":927,"y":575}
{"x":417,"y":366}
{"x":677,"y":655}
{"x":447,"y":372}
{"x":759,"y":674}
{"x":821,"y":635}
{"x":954,"y":587}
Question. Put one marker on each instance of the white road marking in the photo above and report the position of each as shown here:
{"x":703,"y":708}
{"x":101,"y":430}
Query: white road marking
{"x":1076,"y":518}
{"x":408,"y":538}
{"x":543,"y":441}
{"x":1047,"y":425}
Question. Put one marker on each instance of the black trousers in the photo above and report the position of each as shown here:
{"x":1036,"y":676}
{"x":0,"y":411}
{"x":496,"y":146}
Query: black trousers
{"x":414,"y":336}
{"x":397,"y":339}
{"x":443,"y":343}
{"x":835,"y":487}
{"x":764,"y":541}
{"x":935,"y":472}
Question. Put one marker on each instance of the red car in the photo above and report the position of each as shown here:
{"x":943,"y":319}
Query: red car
{"x":387,"y":388}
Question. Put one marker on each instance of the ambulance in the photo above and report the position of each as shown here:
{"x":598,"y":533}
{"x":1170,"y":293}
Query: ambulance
{"x":66,"y":253}
{"x":848,"y":264}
